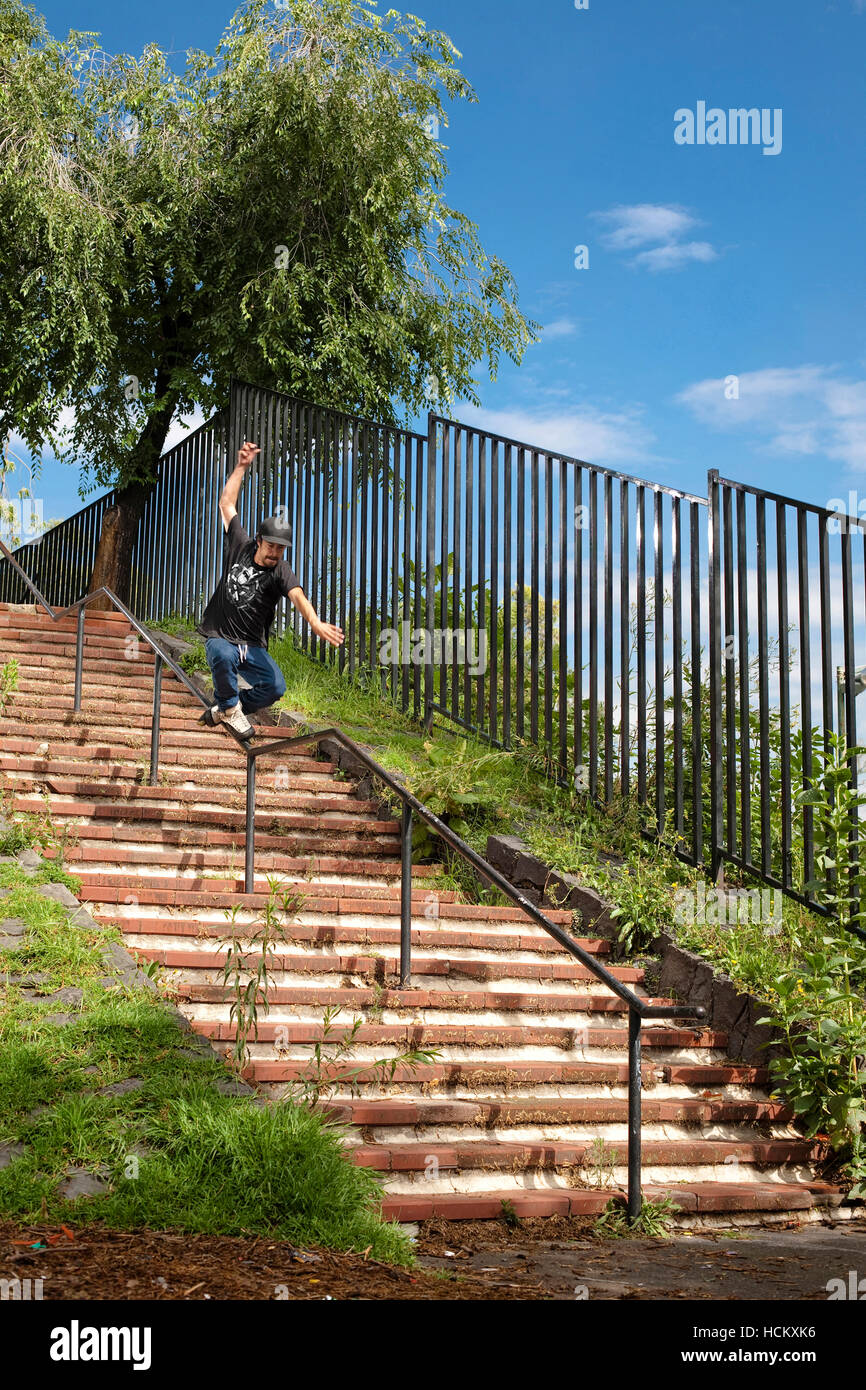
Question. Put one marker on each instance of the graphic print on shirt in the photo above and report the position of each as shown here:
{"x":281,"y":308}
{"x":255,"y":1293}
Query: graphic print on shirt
{"x":243,"y":583}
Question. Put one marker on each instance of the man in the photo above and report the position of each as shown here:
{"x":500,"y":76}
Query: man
{"x":237,"y":621}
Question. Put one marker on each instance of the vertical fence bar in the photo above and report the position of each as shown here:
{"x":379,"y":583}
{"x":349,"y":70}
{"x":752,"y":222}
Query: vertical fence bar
{"x":608,"y":638}
{"x":716,"y":831}
{"x":803,"y":581}
{"x":624,"y":640}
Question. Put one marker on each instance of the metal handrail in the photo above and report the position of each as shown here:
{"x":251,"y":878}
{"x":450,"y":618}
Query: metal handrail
{"x":638,"y":1008}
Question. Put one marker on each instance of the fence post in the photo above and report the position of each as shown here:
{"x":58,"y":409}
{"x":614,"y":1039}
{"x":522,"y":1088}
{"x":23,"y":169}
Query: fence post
{"x":715,"y":671}
{"x":430,"y":596}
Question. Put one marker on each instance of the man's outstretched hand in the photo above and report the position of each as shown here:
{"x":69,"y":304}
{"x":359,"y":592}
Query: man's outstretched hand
{"x":247,"y":454}
{"x":332,"y":634}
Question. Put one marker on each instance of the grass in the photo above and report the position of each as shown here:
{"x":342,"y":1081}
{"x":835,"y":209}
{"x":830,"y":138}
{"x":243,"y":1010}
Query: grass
{"x":178,"y":1154}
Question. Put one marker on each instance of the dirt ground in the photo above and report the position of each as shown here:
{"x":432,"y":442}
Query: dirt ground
{"x":542,"y":1259}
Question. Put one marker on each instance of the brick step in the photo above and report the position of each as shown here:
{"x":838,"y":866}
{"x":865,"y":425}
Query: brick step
{"x":329,"y":934}
{"x":330,"y":898}
{"x":174,"y":751}
{"x":27,"y":625}
{"x":467,"y":1001}
{"x":180,"y":959}
{"x":132,"y":730}
{"x":694,"y":1200}
{"x":425,"y":1035}
{"x":508,"y":1073}
{"x":303,"y":771}
{"x":174,"y":706}
{"x":40,"y":654}
{"x":41,"y":682}
{"x":546,"y":1156}
{"x":305,"y":797}
{"x":300,"y":843}
{"x":305,"y":790}
{"x":126,"y":812}
{"x":501,"y":1111}
{"x":347,"y":902}
{"x":132,"y":852}
{"x":61,"y":646}
{"x":189,"y":878}
{"x":188,"y":836}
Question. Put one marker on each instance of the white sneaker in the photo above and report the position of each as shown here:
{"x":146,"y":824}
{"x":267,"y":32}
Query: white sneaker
{"x":237,"y":720}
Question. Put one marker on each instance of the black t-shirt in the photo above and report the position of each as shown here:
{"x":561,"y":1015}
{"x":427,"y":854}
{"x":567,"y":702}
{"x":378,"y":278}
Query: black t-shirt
{"x":243,"y":604}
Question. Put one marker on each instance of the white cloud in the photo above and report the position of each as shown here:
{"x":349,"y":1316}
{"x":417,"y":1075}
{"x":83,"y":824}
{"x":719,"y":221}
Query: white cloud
{"x":798,"y":410}
{"x":677,"y":254}
{"x":596,"y":436}
{"x":642,"y":224}
{"x":560,"y":328}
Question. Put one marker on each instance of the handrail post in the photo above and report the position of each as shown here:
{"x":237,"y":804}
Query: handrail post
{"x":154,"y":729}
{"x":79,"y":657}
{"x":635,"y":1199}
{"x":250,"y":842}
{"x":406,"y":896}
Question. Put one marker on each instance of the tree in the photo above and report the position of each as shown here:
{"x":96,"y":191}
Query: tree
{"x":275,"y":213}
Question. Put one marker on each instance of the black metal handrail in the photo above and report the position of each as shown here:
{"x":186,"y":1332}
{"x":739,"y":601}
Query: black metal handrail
{"x":638,"y":1009}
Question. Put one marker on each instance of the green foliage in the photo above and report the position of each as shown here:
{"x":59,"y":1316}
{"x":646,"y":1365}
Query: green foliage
{"x":273,"y":211}
{"x":8,"y":681}
{"x":652,"y":1221}
{"x":177,"y":1155}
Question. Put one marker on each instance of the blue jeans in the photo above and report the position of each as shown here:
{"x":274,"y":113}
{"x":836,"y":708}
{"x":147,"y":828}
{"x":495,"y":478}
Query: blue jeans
{"x":228,"y":660}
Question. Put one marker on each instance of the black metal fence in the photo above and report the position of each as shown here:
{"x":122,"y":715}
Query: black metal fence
{"x":641,"y":639}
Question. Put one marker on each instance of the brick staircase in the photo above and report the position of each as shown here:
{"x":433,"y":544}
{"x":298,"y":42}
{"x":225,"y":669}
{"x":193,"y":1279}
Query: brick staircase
{"x":532,"y":1071}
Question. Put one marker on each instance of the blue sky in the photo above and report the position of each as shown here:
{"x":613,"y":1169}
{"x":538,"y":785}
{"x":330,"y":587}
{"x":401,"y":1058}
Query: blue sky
{"x":705,"y":261}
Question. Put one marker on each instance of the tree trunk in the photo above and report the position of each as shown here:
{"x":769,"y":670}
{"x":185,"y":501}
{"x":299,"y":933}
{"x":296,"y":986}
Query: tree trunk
{"x":112,"y":567}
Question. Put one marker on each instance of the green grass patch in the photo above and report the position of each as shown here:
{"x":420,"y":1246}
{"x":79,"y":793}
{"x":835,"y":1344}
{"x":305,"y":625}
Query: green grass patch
{"x":178,"y":1155}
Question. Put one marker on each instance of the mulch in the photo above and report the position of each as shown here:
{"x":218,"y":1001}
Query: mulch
{"x":92,"y":1262}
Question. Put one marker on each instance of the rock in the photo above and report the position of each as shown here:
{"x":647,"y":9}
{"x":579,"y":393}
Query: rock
{"x":59,"y":893}
{"x":9,"y":943}
{"x":59,"y":1020}
{"x":122,"y":1088}
{"x":125,"y":968}
{"x":9,"y":1152}
{"x":81,"y":1183}
{"x":25,"y":981}
{"x":13,"y":926}
{"x":502,"y":852}
{"x":70,"y":994}
{"x":29,"y":859}
{"x":234,"y":1088}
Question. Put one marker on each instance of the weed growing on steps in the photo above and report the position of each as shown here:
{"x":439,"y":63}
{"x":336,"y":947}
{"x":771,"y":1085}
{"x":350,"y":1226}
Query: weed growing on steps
{"x":8,"y":681}
{"x":653,"y":1220}
{"x":599,"y":1162}
{"x":250,"y":995}
{"x":321,"y":1078}
{"x":37,"y":830}
{"x":262,"y":936}
{"x":175,"y":1153}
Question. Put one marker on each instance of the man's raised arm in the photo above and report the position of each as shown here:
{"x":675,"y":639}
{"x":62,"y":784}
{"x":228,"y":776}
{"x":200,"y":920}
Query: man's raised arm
{"x":234,"y":483}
